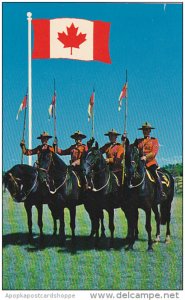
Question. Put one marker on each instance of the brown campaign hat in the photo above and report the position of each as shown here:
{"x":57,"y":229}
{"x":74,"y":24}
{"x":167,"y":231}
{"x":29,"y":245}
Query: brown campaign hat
{"x":44,"y":134}
{"x":146,"y":125}
{"x":112,"y":131}
{"x":78,"y":135}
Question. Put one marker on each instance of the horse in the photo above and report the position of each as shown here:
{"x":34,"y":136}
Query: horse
{"x":63,"y":180}
{"x":23,"y":185}
{"x":142,"y":193}
{"x":104,"y":190}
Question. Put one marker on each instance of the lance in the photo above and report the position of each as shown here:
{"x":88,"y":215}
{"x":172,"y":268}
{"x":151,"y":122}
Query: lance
{"x":24,"y":128}
{"x":92,"y":135}
{"x":91,"y":112}
{"x":125,"y":131}
{"x":54,"y":118}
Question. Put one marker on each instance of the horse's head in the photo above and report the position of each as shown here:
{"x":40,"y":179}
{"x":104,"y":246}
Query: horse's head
{"x":92,"y":162}
{"x":46,"y":165}
{"x":50,"y":166}
{"x":134,"y":165}
{"x":19,"y":181}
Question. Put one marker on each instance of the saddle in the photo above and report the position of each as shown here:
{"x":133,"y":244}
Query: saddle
{"x":164,"y":177}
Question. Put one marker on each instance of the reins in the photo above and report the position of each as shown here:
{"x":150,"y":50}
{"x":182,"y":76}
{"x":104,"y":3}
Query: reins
{"x":97,"y":190}
{"x":131,"y":186}
{"x":31,"y":189}
{"x":56,"y":189}
{"x":47,"y":171}
{"x":134,"y":186}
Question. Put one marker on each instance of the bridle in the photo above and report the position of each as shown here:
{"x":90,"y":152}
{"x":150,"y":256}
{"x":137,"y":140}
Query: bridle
{"x":95,"y":173}
{"x":47,"y":173}
{"x":135,"y":165}
{"x":13,"y":179}
{"x":50,"y":161}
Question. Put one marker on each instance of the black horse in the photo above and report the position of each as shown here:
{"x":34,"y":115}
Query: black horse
{"x":104,"y":190}
{"x":63,"y":181}
{"x":142,"y":193}
{"x":23,"y":184}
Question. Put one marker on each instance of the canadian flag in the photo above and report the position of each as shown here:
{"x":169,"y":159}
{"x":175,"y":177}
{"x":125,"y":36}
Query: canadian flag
{"x":71,"y":38}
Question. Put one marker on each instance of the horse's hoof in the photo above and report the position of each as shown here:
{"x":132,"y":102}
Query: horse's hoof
{"x":62,"y":242}
{"x":41,"y":238}
{"x":96,"y":245}
{"x":111,"y":245}
{"x":73,"y":240}
{"x":136,"y":237}
{"x":129,"y":248}
{"x":90,"y":236}
{"x":30,"y":239}
{"x":167,"y":240}
{"x":150,"y":249}
{"x":157,"y":239}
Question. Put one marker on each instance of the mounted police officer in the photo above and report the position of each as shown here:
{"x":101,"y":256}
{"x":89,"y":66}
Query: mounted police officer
{"x":44,"y":137}
{"x":76,"y":150}
{"x":149,"y":147}
{"x":114,"y":152}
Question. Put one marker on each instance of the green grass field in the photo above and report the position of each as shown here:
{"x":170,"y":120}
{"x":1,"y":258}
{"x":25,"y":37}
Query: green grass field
{"x":28,"y":267}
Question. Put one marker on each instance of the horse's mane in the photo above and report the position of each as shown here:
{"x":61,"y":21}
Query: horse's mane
{"x":98,"y":152}
{"x":60,"y":163}
{"x":22,"y":169}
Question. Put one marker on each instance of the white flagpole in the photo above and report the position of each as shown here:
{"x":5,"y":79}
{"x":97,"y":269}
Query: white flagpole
{"x":29,"y":18}
{"x":93,"y":115}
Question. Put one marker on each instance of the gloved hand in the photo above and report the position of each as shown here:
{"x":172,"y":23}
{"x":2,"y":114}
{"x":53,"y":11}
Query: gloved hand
{"x":90,"y":142}
{"x":107,"y":160}
{"x":125,"y":140}
{"x":55,"y":145}
{"x":22,"y":143}
{"x":55,"y":142}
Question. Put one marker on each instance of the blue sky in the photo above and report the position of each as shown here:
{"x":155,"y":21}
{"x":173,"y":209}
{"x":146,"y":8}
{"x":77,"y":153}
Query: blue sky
{"x":145,"y":39}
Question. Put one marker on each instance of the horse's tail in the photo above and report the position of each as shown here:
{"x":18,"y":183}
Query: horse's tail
{"x":165,"y":207}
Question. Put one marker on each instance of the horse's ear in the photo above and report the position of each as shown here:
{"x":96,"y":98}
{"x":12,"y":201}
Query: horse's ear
{"x":96,"y":146}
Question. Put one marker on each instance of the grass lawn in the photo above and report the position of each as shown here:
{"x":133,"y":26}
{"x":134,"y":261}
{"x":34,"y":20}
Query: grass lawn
{"x":29,"y":267}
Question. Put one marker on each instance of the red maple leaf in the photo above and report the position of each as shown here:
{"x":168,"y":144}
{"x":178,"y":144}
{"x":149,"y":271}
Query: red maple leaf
{"x":71,"y":39}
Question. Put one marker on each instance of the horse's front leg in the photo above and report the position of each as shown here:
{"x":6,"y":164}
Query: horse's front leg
{"x":54,"y":217}
{"x":40,"y":223}
{"x":28,"y":208}
{"x":149,"y":228}
{"x":102,"y":224}
{"x":132,"y":220}
{"x":111,"y":226}
{"x":72,"y":220}
{"x":136,"y":228}
{"x":168,"y":218}
{"x":62,"y":226}
{"x":157,"y":220}
{"x":96,"y":223}
{"x":91,"y":216}
{"x":54,"y":225}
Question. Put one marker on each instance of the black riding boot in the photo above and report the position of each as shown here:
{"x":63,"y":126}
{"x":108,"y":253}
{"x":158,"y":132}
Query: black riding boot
{"x":161,"y":196}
